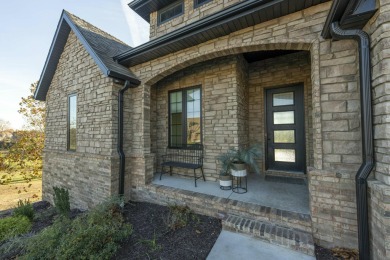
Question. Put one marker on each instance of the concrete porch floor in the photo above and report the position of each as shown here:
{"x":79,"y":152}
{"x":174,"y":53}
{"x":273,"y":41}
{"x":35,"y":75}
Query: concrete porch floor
{"x":261,"y":191}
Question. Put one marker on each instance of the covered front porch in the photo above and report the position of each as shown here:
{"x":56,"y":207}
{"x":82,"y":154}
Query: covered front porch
{"x":281,"y":193}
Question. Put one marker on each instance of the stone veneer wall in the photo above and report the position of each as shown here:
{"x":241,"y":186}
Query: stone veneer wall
{"x":90,"y":172}
{"x":379,"y":190}
{"x":222,"y":86}
{"x":379,"y":219}
{"x":190,"y":15}
{"x":277,"y":72}
{"x":335,"y":102}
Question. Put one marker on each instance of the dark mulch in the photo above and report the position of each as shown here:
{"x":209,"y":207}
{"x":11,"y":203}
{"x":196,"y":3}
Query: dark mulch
{"x":324,"y":253}
{"x":152,"y":239}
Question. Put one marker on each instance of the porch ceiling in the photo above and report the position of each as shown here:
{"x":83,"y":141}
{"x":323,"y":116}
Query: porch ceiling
{"x":263,"y":55}
{"x":234,"y":18}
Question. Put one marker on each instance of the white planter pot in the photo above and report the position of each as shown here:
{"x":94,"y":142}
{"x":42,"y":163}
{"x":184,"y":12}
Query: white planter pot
{"x":227,"y":183}
{"x":240,"y":173}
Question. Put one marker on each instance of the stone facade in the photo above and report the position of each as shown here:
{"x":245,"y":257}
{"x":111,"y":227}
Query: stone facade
{"x":190,"y":15}
{"x":329,"y":74}
{"x":90,"y":173}
{"x":232,"y":115}
{"x":379,"y":216}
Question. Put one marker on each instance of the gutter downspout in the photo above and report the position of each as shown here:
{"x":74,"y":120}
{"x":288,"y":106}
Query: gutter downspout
{"x":122,"y":157}
{"x":367,"y":136}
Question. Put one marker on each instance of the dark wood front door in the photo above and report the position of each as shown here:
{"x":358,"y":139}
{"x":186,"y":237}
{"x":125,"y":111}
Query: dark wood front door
{"x":285,"y":129}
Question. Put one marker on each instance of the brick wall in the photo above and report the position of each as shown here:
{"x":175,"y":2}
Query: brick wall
{"x":333,"y":208}
{"x":88,"y":173}
{"x":190,"y":15}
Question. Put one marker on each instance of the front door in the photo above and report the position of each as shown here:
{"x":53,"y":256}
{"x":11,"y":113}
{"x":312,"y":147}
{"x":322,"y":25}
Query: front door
{"x":285,"y":129}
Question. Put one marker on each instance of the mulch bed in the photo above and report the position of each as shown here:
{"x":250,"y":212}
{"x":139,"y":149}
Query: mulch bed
{"x":152,"y":239}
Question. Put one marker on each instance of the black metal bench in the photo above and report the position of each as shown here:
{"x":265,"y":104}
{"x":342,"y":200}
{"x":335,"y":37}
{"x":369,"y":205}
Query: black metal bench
{"x":190,"y":157}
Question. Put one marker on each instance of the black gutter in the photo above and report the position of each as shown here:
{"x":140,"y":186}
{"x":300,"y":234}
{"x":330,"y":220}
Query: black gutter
{"x":212,"y":21}
{"x":345,"y":20}
{"x":122,"y":156}
{"x":367,"y":138}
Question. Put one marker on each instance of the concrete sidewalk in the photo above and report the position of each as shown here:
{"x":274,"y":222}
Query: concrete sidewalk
{"x":232,"y":245}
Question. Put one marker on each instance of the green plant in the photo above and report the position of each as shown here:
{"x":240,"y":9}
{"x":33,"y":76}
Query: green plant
{"x":177,"y":216}
{"x":24,"y":208}
{"x":61,"y":200}
{"x":151,"y":243}
{"x":241,"y":155}
{"x":94,"y":235}
{"x":13,"y":226}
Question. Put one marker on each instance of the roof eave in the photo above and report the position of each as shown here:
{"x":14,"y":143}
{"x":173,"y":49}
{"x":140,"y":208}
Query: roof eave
{"x":62,"y":28}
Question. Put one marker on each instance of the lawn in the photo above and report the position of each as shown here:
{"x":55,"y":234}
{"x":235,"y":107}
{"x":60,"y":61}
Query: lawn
{"x":18,"y":189}
{"x":9,"y":193}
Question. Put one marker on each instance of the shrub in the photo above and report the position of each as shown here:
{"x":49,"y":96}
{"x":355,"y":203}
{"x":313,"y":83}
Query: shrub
{"x":24,"y":209}
{"x":177,"y":217}
{"x":13,"y":226}
{"x":95,"y":235}
{"x":61,"y":201}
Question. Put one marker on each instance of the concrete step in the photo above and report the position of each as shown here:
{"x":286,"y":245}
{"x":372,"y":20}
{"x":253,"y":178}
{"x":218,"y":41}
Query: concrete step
{"x":292,"y":238}
{"x":267,"y":214}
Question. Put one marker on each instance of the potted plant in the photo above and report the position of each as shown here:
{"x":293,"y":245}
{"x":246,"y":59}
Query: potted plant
{"x":245,"y":156}
{"x":235,"y":161}
{"x":225,"y":179}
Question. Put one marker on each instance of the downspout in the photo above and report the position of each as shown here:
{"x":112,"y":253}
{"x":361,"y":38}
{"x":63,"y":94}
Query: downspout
{"x":367,"y":137}
{"x":122,"y":158}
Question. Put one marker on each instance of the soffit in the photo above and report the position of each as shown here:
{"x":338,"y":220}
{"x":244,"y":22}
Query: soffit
{"x":234,"y":18}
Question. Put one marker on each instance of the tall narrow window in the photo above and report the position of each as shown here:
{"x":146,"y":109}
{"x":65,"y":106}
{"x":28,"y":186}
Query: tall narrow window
{"x":72,"y":122}
{"x":185,"y":117}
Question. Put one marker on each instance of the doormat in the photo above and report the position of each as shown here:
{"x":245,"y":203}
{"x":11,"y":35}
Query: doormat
{"x":289,"y":180}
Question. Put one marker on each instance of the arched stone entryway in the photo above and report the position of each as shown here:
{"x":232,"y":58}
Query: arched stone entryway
{"x":205,"y":57}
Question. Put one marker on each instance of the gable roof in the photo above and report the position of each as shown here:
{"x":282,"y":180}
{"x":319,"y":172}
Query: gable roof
{"x":99,"y":44}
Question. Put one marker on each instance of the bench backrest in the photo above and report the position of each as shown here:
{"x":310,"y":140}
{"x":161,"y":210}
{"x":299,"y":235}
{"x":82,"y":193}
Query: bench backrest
{"x":191,"y":154}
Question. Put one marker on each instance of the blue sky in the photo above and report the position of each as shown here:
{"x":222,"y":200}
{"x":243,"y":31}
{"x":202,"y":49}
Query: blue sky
{"x":27,"y":30}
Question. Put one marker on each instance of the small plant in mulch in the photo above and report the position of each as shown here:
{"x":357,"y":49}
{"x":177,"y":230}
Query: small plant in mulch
{"x":177,"y":216}
{"x":61,"y":201}
{"x":151,"y":243}
{"x":345,"y":253}
{"x":24,"y":208}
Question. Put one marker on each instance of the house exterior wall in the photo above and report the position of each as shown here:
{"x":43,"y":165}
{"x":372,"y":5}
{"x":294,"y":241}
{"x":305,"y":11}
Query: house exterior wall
{"x":232,"y":89}
{"x":89,"y":172}
{"x":379,"y":188}
{"x":190,"y":15}
{"x":336,"y":140}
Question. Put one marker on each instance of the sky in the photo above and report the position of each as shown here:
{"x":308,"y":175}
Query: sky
{"x":26,"y":32}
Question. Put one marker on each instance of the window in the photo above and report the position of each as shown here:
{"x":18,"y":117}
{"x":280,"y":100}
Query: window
{"x":72,"y":122}
{"x":198,"y":3}
{"x":185,"y":111}
{"x":170,"y":12}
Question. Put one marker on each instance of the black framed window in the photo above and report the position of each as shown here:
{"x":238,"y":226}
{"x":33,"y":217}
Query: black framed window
{"x":198,"y":3}
{"x":72,"y":122}
{"x":170,"y":12}
{"x":185,"y":117}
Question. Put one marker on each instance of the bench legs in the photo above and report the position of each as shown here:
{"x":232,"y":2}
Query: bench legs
{"x":201,"y":169}
{"x":163,"y":171}
{"x":195,"y":177}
